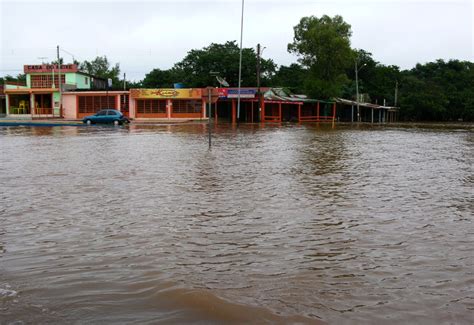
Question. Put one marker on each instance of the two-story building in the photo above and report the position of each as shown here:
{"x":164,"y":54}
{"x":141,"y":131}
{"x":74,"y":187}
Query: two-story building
{"x":41,"y":95}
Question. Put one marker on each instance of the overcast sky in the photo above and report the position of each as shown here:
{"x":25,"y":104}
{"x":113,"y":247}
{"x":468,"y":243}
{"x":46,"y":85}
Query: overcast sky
{"x":142,"y":35}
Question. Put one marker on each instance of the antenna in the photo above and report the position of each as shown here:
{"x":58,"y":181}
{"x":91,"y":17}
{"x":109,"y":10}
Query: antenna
{"x":222,"y":81}
{"x":42,"y":58}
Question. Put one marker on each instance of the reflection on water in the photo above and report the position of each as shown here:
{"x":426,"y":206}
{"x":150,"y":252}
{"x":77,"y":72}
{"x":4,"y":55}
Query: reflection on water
{"x":279,"y":224}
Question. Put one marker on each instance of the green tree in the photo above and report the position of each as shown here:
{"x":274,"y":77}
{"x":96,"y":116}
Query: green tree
{"x":158,"y":78}
{"x":291,"y":77}
{"x":438,"y":91}
{"x":375,"y":79}
{"x":101,"y":67}
{"x":323,"y":47}
{"x":196,"y":67}
{"x":21,"y":77}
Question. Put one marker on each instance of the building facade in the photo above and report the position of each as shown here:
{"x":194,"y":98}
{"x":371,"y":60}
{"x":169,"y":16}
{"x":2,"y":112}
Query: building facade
{"x":40,"y":95}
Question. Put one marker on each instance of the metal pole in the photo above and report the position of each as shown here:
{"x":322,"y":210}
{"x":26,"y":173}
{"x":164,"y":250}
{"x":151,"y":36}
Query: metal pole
{"x":60,"y":88}
{"x":210,"y":106}
{"x":357,"y":91}
{"x":258,"y":79}
{"x":123,"y":96}
{"x":240,"y":61}
{"x":258,"y":69}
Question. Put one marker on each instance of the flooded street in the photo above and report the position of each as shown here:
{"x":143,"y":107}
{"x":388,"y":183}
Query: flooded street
{"x":277,"y":224}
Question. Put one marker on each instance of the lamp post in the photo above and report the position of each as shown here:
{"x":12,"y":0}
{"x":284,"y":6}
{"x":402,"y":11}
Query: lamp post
{"x":240,"y":61}
{"x":357,"y":87}
{"x":259,"y":53}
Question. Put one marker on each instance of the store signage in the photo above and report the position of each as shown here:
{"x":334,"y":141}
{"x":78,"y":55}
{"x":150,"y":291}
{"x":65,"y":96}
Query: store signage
{"x":42,"y":68}
{"x":244,"y":93}
{"x":166,"y":93}
{"x":222,"y":92}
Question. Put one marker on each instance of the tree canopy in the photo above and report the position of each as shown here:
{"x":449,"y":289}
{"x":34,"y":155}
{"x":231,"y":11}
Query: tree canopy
{"x":197,"y":66}
{"x":324,"y":48}
{"x":101,"y":67}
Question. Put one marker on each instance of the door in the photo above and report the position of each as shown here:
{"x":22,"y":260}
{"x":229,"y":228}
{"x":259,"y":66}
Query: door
{"x":112,"y":116}
{"x":101,"y":116}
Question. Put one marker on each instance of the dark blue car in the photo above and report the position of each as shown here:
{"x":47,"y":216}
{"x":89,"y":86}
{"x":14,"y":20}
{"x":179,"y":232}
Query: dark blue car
{"x":109,"y":116}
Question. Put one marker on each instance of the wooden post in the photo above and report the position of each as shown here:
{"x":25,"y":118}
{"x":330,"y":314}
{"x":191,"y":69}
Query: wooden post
{"x":262,"y":113}
{"x":334,"y":111}
{"x":215,"y":114}
{"x":279,"y":111}
{"x":234,"y":112}
{"x":299,"y":112}
{"x":251,"y":114}
{"x":317,"y":112}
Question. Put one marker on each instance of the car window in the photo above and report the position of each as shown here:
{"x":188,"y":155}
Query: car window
{"x":112,"y":113}
{"x":101,"y":113}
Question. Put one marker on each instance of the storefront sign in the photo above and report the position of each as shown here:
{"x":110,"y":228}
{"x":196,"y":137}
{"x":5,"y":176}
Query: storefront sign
{"x":244,"y":93}
{"x":166,"y":93}
{"x":42,"y":68}
{"x":222,"y":92}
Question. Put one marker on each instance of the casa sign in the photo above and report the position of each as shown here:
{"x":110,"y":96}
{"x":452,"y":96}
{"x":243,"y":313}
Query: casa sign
{"x":166,"y":93}
{"x":45,"y":68}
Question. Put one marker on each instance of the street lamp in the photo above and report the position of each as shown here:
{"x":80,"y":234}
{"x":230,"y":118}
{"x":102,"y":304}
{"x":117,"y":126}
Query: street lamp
{"x":240,"y":61}
{"x":357,"y":87}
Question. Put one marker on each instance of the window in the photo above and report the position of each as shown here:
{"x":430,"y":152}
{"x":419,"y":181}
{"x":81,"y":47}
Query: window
{"x":102,"y":113}
{"x":187,"y":106}
{"x":86,"y":81}
{"x":110,"y":112}
{"x":92,"y":104}
{"x":46,"y":80}
{"x":151,"y":106}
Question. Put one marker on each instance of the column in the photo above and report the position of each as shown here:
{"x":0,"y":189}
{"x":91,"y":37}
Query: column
{"x":7,"y":103}
{"x":117,"y":102}
{"x":279,"y":111}
{"x":169,"y":108}
{"x":32,"y":104}
{"x":251,"y":112}
{"x":234,"y":112}
{"x":215,"y":113}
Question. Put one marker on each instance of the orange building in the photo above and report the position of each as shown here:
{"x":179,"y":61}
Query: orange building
{"x":167,"y":103}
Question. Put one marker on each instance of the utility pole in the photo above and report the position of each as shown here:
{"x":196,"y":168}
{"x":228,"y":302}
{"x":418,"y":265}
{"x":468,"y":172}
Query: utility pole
{"x":209,"y":90}
{"x":59,"y":81}
{"x":258,"y":69}
{"x":124,"y":88}
{"x":357,"y":91}
{"x":240,"y":61}
{"x":258,"y":78}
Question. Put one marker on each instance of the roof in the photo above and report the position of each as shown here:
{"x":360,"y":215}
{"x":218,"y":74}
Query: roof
{"x":369,"y":105}
{"x":282,"y":94}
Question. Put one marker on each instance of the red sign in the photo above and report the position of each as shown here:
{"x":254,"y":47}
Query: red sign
{"x":222,"y":92}
{"x":45,"y":68}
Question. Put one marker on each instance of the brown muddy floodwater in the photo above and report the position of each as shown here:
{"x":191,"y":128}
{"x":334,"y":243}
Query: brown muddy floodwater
{"x":275,"y":224}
